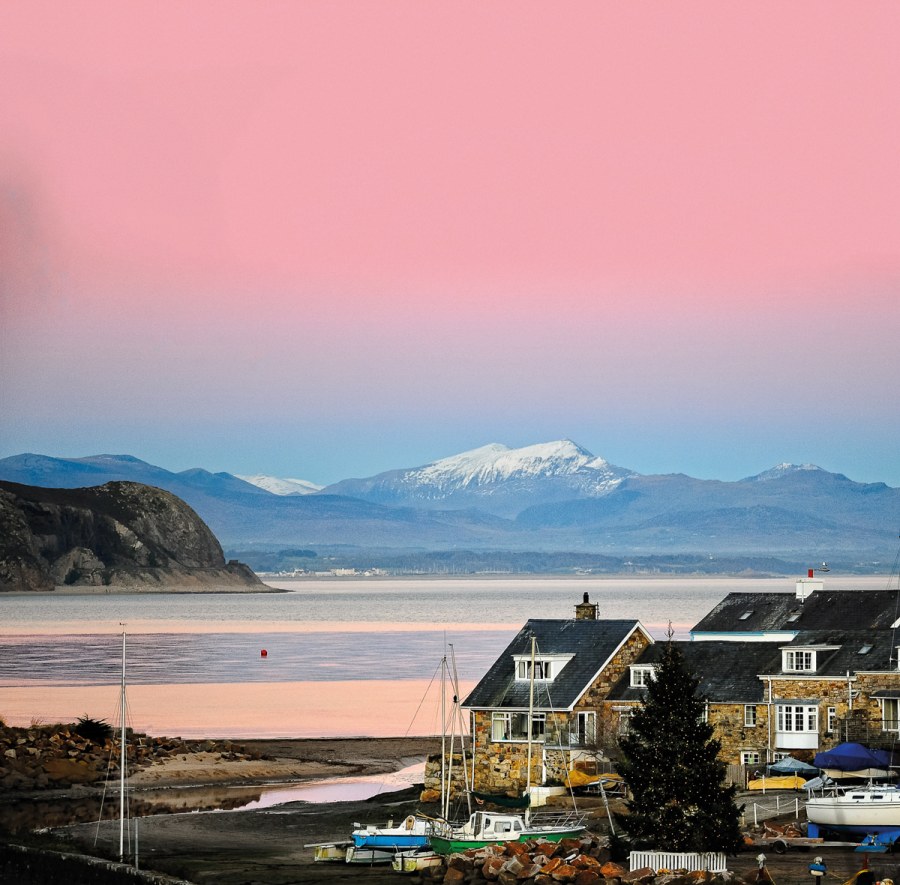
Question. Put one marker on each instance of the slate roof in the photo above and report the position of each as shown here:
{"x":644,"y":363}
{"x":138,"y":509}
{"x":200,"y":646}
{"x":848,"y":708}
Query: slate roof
{"x":850,"y":655}
{"x":822,"y":610}
{"x":728,"y":671}
{"x":591,"y":642}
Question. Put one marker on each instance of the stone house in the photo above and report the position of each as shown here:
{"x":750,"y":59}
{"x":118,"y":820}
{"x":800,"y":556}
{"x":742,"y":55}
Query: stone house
{"x":790,"y":674}
{"x":574,"y":663}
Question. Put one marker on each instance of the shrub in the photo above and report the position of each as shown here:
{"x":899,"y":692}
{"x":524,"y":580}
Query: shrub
{"x":96,"y":730}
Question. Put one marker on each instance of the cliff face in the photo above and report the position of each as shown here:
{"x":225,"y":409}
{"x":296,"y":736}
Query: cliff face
{"x":121,"y":534}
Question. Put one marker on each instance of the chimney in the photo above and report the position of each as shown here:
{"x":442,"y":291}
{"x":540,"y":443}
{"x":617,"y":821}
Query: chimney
{"x":586,"y":610}
{"x":808,"y":585}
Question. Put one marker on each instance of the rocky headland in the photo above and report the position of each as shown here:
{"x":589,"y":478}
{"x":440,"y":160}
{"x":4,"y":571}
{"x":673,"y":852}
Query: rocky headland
{"x":121,"y":535}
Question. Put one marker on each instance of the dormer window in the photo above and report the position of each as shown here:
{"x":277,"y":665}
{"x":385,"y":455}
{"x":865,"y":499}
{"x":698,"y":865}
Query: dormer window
{"x":543,"y":670}
{"x":798,"y":661}
{"x":546,"y":667}
{"x":641,"y":676}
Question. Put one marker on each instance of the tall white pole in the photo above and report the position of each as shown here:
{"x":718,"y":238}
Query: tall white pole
{"x":529,"y":727}
{"x":445,"y":787}
{"x":122,"y":760}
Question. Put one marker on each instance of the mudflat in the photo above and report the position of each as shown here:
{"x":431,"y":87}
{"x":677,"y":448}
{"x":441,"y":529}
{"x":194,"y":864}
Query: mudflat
{"x":272,"y":845}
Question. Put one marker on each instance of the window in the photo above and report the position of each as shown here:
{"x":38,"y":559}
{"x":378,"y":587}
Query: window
{"x":749,"y":715}
{"x":641,"y":676}
{"x":798,"y":717}
{"x":585,"y":729}
{"x":543,"y":670}
{"x":832,"y":719}
{"x":798,"y":661}
{"x":746,"y":615}
{"x":793,"y":616}
{"x":514,"y":726}
{"x":891,"y":715}
{"x":749,"y":757}
{"x":779,"y":756}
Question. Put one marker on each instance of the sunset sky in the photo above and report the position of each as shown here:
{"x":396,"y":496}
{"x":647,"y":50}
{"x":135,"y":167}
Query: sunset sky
{"x":326,"y":239}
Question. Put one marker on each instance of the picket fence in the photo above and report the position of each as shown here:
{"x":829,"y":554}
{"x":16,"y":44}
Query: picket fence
{"x":673,"y":860}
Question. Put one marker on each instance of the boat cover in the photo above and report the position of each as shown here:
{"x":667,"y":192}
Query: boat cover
{"x":854,"y":760}
{"x":790,"y":765}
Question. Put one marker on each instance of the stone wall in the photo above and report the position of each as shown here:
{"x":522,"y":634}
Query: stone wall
{"x":502,"y":766}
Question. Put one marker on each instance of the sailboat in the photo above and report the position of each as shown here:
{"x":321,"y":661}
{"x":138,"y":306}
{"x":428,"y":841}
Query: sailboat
{"x":487,"y":828}
{"x":376,"y":843}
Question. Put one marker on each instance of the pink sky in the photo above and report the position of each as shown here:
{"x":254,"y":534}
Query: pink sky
{"x":325,"y":239}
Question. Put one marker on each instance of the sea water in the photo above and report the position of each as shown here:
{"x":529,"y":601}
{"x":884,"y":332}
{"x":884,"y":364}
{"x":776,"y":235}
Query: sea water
{"x":330,"y":657}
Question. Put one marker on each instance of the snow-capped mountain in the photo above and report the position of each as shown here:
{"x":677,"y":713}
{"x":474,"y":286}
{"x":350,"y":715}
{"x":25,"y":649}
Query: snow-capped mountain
{"x":277,"y":486}
{"x":551,"y":497}
{"x":782,"y":470}
{"x":494,"y":478}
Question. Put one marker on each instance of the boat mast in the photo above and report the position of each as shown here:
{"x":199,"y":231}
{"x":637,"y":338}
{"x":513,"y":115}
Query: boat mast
{"x":122,"y":760}
{"x":462,"y":734}
{"x":445,"y":786}
{"x":530,"y":727}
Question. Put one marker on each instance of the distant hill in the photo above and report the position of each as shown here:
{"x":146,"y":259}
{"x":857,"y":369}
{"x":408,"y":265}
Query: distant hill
{"x":120,"y":534}
{"x":549,"y":497}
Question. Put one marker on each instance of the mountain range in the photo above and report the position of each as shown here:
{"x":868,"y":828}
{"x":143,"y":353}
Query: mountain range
{"x":549,"y":497}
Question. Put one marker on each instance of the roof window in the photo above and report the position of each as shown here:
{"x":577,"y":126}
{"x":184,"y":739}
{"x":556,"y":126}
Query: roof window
{"x":865,"y":649}
{"x":793,"y":616}
{"x":746,"y":614}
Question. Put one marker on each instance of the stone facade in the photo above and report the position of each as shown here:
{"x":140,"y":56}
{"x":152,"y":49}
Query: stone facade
{"x":738,"y":737}
{"x":502,"y":766}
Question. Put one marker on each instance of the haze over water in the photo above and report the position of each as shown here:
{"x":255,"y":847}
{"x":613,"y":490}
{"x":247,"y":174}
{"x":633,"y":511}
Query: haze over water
{"x":344,"y":656}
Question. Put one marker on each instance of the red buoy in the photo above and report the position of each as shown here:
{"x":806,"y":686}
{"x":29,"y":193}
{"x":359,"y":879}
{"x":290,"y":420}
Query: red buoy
{"x":263,"y":653}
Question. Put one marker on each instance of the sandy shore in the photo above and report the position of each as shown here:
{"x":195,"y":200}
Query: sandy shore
{"x":284,"y":760}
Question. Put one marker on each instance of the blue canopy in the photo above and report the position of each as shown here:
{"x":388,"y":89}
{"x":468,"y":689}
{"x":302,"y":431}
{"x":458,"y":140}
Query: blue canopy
{"x":790,"y":765}
{"x":853,"y":757}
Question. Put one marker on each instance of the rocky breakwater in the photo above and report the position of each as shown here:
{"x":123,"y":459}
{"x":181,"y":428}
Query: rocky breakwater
{"x":121,"y":535}
{"x":584,"y":861}
{"x":51,"y":757}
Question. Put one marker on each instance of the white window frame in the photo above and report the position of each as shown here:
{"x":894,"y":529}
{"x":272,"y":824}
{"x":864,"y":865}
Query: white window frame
{"x":624,"y":725}
{"x":750,"y":757}
{"x":797,"y":718}
{"x":749,"y":715}
{"x":512,"y":727}
{"x":543,"y":670}
{"x":798,"y":660}
{"x":641,"y":674}
{"x":585,"y":728}
{"x":831,"y":719}
{"x":890,"y":714}
{"x":546,"y":667}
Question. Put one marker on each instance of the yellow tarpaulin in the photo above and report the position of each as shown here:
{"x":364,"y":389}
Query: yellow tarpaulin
{"x":786,"y":782}
{"x":581,"y":779}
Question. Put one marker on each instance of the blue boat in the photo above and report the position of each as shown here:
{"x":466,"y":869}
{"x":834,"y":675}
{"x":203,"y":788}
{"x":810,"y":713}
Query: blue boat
{"x":384,"y":842}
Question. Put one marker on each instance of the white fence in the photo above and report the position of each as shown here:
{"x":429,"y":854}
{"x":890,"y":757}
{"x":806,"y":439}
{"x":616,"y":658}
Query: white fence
{"x":774,"y":807}
{"x":674,"y":860}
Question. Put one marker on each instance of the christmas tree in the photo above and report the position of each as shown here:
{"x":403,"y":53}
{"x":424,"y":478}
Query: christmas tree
{"x":679,"y":801}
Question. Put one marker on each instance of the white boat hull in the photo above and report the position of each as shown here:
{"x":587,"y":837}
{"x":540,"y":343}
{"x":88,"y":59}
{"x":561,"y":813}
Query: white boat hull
{"x":856,"y":808}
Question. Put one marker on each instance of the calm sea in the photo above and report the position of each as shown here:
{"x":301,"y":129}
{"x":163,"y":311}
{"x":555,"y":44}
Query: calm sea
{"x":329,"y":657}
